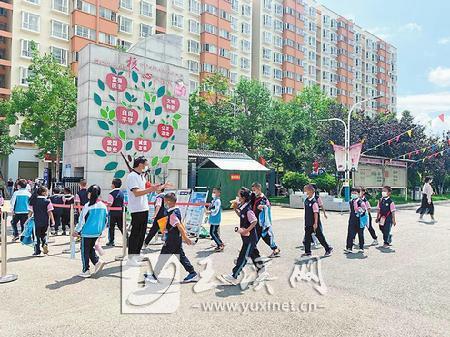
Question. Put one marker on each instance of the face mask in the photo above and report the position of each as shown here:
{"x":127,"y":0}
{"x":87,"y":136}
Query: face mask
{"x":213,"y":195}
{"x":384,"y":194}
{"x":145,"y":168}
{"x":354,"y":196}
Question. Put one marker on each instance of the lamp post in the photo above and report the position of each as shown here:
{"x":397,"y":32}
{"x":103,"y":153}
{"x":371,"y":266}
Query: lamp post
{"x":347,"y":142}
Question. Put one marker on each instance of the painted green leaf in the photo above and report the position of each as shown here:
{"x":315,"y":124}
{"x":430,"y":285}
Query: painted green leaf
{"x":128,"y":96}
{"x":129,"y":145}
{"x":150,"y":84}
{"x":172,"y":138}
{"x":145,"y":123}
{"x":175,"y":124}
{"x":155,"y":161}
{"x":173,"y":147}
{"x":153,"y":122}
{"x":147,"y":96}
{"x":169,"y":93}
{"x":101,"y":84}
{"x":143,"y":84}
{"x":177,"y":116}
{"x":120,"y":73}
{"x":111,"y":166}
{"x":161,"y":91}
{"x":103,"y":113}
{"x":164,"y":144}
{"x":113,"y":70}
{"x":125,"y":104}
{"x":134,"y":76}
{"x":158,"y":110}
{"x":147,"y":107}
{"x":112,"y":114}
{"x":132,"y":131}
{"x":139,"y":123}
{"x":154,"y":99}
{"x":100,"y":153}
{"x":111,"y":97}
{"x":97,"y":99}
{"x":122,"y":134}
{"x":154,"y":135}
{"x":103,"y":125}
{"x":158,"y":171}
{"x":119,"y":174}
{"x":165,"y":159}
{"x":110,"y":123}
{"x":134,"y":99}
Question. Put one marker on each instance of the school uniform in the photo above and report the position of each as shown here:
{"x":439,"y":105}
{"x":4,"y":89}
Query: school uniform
{"x":312,"y":207}
{"x":248,"y":249}
{"x":40,"y":208}
{"x":69,"y":199}
{"x":20,"y":205}
{"x":116,"y":200}
{"x":92,"y":222}
{"x":173,"y":243}
{"x":371,"y":229}
{"x":215,"y":218}
{"x":159,"y":202}
{"x":267,"y":235}
{"x":354,"y":226}
{"x":57,"y":199}
{"x":386,"y":208}
{"x":81,"y":198}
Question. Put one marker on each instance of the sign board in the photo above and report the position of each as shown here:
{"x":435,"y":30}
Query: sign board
{"x":195,"y":214}
{"x":235,"y":177}
{"x":377,"y":172}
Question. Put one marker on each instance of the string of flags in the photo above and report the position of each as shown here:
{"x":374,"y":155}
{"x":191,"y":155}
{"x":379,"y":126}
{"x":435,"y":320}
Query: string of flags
{"x":391,"y":140}
{"x":431,"y":156}
{"x":416,"y":152}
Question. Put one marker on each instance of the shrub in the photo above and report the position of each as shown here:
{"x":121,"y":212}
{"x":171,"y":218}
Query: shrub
{"x":295,"y":180}
{"x":325,"y":182}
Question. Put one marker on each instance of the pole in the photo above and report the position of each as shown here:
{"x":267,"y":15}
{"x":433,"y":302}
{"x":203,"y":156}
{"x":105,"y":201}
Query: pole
{"x":124,"y":236}
{"x":72,"y":249}
{"x":4,"y":277}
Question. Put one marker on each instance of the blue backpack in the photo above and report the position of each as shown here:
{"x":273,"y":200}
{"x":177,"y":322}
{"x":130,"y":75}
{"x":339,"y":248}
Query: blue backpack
{"x":27,"y":236}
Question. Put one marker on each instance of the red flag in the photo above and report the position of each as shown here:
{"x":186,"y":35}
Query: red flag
{"x":442,"y":117}
{"x":397,"y":138}
{"x":418,"y":152}
{"x":389,"y":141}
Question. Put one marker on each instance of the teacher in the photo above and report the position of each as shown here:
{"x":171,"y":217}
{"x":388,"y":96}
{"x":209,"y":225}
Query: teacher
{"x":427,"y":206}
{"x":138,"y":204}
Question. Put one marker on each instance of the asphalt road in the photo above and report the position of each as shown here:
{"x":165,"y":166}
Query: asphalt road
{"x":401,"y":292}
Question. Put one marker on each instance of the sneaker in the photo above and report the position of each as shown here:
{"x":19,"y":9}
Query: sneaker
{"x":85,"y":274}
{"x":386,"y":245}
{"x":361,"y":251}
{"x":262,"y":276}
{"x":375,"y":242}
{"x":64,"y":233}
{"x":99,"y":266}
{"x":329,"y":252}
{"x":348,"y":251}
{"x":229,"y":279}
{"x":15,"y":238}
{"x":219,"y":249}
{"x":150,"y":279}
{"x":192,"y":277}
{"x":305,"y":255}
{"x":275,"y":253}
{"x":110,"y":244}
{"x":45,"y":249}
{"x":37,"y":255}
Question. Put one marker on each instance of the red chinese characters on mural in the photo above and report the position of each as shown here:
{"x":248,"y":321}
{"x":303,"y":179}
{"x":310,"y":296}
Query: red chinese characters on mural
{"x":171,"y":104}
{"x":132,"y":64}
{"x":111,"y":145}
{"x":165,"y":131}
{"x":126,"y":116}
{"x":142,"y":145}
{"x":116,"y":82}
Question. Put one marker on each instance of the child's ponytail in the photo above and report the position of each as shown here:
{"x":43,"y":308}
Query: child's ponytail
{"x":94,"y":193}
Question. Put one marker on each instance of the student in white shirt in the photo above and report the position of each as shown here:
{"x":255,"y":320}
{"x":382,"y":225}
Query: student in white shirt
{"x":427,"y":206}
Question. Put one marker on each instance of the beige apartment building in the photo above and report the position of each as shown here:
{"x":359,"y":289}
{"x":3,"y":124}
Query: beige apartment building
{"x":286,"y":44}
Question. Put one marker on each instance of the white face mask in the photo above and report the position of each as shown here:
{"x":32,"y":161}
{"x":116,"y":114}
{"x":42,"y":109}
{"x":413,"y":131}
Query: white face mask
{"x":354,"y":196}
{"x":213,"y":195}
{"x":384,"y":194}
{"x":145,"y":168}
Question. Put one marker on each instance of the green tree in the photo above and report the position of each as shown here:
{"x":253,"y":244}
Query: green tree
{"x":295,"y":180}
{"x":326,"y":182}
{"x":6,"y":120}
{"x":48,"y":105}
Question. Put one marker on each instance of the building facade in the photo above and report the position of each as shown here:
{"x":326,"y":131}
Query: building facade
{"x":286,"y":44}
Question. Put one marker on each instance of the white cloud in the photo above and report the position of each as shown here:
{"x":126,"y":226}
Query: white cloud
{"x":411,"y":27}
{"x":384,"y":33}
{"x":440,"y":76}
{"x":426,"y":108}
{"x":444,"y":40}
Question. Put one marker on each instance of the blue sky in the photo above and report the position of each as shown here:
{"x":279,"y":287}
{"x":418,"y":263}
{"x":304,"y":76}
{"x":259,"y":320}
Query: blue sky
{"x":421,"y":32}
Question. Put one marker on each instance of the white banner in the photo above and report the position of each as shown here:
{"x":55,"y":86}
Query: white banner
{"x":339,"y":155}
{"x":355,"y":154}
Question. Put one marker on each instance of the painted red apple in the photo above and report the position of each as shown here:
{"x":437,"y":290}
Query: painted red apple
{"x":165,"y":131}
{"x":112,"y":145}
{"x":126,"y":116}
{"x":116,"y":82}
{"x":180,"y":89}
{"x":142,"y":145}
{"x":170,"y":104}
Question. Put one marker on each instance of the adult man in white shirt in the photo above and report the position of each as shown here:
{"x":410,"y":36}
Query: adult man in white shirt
{"x":138,"y":204}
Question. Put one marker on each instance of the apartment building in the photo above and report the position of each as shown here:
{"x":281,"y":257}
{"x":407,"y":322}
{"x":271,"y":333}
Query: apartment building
{"x":286,"y":44}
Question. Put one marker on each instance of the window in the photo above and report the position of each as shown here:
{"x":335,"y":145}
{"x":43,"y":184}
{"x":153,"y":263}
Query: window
{"x":246,"y":29}
{"x":210,"y":9}
{"x":85,"y":32}
{"x":209,"y":68}
{"x":266,"y":70}
{"x":193,"y":66}
{"x":234,"y":23}
{"x":146,"y":8}
{"x":278,"y":41}
{"x":125,"y":25}
{"x":107,"y":14}
{"x":85,"y":7}
{"x":233,"y":41}
{"x":209,"y":28}
{"x":60,"y":30}
{"x":267,"y":21}
{"x":233,"y":77}
{"x":277,"y":90}
{"x":267,"y":54}
{"x":25,"y":48}
{"x":233,"y":59}
{"x":193,"y":46}
{"x":267,"y":37}
{"x":224,"y":53}
{"x":278,"y":25}
{"x":145,"y":30}
{"x":278,"y":9}
{"x":225,"y":34}
{"x":24,"y":74}
{"x":209,"y":48}
{"x":194,"y":27}
{"x":268,"y":4}
{"x":59,"y":54}
{"x":60,"y":5}
{"x":277,"y":74}
{"x":178,"y":3}
{"x":30,"y":22}
{"x":246,"y":46}
{"x":194,"y":6}
{"x":235,"y":5}
{"x":107,"y":39}
{"x":177,"y":20}
{"x":277,"y":57}
{"x":246,"y":10}
{"x":127,"y":4}
{"x":124,"y":44}
{"x":245,"y":63}
{"x":193,"y":85}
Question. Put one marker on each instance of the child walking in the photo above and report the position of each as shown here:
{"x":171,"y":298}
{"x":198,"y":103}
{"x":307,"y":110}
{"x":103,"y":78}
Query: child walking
{"x":357,"y":208}
{"x":363,"y":196}
{"x":174,"y":235}
{"x":312,"y":222}
{"x":20,"y":207}
{"x":116,"y":200}
{"x":42,"y":209}
{"x":57,"y":199}
{"x":386,"y":215}
{"x":158,"y":214}
{"x":91,"y":224}
{"x":215,"y":218}
{"x":69,"y":199}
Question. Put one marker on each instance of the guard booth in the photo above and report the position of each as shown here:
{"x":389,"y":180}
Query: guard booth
{"x":229,"y":171}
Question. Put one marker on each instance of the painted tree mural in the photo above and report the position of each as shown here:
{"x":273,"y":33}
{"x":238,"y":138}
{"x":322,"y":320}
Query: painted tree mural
{"x":137,"y":115}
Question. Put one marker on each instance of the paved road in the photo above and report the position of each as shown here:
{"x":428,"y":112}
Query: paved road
{"x":404,"y":292}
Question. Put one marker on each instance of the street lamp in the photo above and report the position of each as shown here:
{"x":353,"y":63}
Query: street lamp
{"x":347,"y":141}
